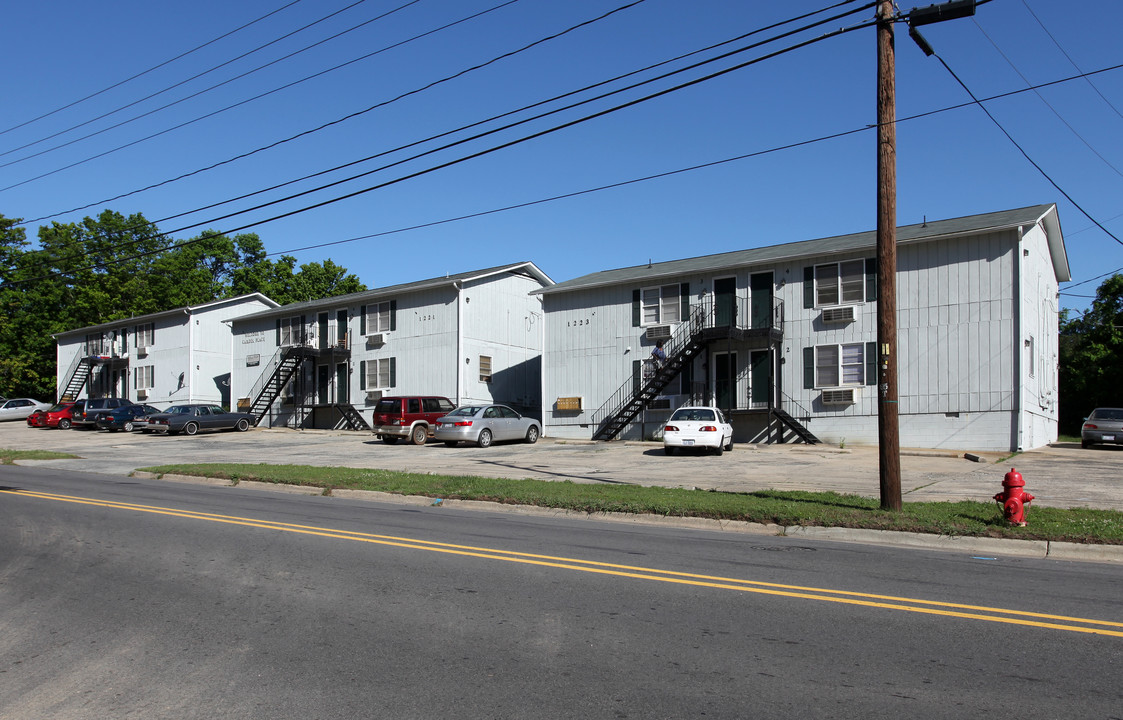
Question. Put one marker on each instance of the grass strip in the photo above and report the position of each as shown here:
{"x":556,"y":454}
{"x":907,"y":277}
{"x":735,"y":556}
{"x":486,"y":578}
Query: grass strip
{"x":7,"y":457}
{"x":786,"y":508}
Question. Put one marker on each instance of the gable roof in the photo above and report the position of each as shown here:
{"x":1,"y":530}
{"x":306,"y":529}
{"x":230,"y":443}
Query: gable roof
{"x":185,"y":310}
{"x":525,"y":268}
{"x":972,"y":224}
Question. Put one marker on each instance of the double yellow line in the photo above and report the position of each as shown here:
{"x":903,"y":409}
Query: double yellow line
{"x":887,"y":602}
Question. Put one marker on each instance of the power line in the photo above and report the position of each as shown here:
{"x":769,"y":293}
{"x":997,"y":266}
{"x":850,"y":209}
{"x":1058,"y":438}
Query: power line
{"x":196,"y":77}
{"x":482,"y":134}
{"x":481,"y":153}
{"x":154,"y":67}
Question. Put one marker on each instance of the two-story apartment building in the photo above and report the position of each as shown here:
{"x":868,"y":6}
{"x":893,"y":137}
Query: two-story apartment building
{"x":176,"y":356}
{"x":784,"y":338}
{"x":472,"y":337}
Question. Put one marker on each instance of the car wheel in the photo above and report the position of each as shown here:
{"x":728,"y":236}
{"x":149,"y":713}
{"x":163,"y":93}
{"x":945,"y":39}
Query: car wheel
{"x":669,"y":450}
{"x":1085,"y":444}
{"x":729,"y":447}
{"x":190,"y":428}
{"x":484,"y":439}
{"x":242,"y":425}
{"x":389,"y":439}
{"x":719,"y":450}
{"x":419,"y":435}
{"x":64,"y":424}
{"x":451,"y":443}
{"x":532,"y":434}
{"x":128,"y":427}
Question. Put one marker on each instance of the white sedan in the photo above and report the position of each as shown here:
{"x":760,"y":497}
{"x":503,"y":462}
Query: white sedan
{"x":697,"y":427}
{"x":20,"y":408}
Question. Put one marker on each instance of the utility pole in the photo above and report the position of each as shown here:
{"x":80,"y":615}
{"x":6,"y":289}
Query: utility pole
{"x":888,"y":425}
{"x":888,"y":429}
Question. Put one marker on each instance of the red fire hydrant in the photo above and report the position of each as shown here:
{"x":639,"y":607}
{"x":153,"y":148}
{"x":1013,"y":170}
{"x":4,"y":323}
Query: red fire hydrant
{"x":1014,"y":498}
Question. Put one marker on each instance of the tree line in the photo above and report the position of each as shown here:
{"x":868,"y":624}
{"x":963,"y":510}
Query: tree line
{"x":113,"y":267}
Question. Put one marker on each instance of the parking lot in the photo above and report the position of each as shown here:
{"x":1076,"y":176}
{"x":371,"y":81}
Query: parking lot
{"x":1060,"y":476}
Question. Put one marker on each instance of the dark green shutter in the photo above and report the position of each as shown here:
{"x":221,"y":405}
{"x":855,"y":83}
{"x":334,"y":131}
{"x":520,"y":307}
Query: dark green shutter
{"x":278,"y":332}
{"x":393,"y":367}
{"x":635,"y":309}
{"x":362,"y":374}
{"x":809,"y":287}
{"x":871,"y":279}
{"x":687,"y":377}
{"x":871,"y":363}
{"x":363,"y":320}
{"x":636,"y":374}
{"x":808,"y":368}
{"x":684,"y":296}
{"x":393,"y":316}
{"x":303,"y":339}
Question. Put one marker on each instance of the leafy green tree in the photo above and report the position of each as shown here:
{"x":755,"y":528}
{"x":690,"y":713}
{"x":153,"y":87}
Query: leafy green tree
{"x":1091,"y":357}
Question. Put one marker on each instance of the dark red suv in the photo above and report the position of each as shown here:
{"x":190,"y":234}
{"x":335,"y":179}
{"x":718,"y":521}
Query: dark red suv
{"x":410,"y":417}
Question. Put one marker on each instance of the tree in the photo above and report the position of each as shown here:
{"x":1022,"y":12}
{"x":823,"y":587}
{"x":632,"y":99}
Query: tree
{"x":1091,"y":348}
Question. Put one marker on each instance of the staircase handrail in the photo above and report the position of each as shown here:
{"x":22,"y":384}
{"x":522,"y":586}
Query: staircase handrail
{"x":61,"y":389}
{"x":270,"y":368}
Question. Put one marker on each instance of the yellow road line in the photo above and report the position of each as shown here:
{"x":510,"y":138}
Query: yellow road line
{"x":890,"y":602}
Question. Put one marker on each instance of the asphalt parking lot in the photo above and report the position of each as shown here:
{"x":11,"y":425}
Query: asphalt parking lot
{"x":1063,"y":475}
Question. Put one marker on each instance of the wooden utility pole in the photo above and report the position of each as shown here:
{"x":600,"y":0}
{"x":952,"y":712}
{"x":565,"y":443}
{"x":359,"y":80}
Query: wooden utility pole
{"x":888,"y":436}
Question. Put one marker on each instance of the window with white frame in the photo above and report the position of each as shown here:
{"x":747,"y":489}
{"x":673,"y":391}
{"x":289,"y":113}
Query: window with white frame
{"x":145,"y":334}
{"x":291,"y":331}
{"x":840,"y":365}
{"x":378,"y":318}
{"x":485,"y":368}
{"x":661,"y":305}
{"x":379,"y":374}
{"x":840,"y":283}
{"x":144,"y":377}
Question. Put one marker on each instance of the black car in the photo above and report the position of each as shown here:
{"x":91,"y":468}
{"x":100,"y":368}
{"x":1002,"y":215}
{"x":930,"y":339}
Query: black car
{"x":87,"y":416}
{"x":190,"y":419}
{"x":126,"y":418}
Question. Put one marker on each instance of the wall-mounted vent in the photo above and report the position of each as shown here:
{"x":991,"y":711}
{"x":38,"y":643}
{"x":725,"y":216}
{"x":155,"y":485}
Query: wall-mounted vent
{"x":376,"y":339}
{"x":842,"y":396}
{"x":660,"y":403}
{"x":843,"y":313}
{"x":659,"y":332}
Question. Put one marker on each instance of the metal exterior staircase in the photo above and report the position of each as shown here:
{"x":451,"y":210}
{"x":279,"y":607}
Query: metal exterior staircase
{"x":284,"y":363}
{"x":77,"y":375}
{"x":797,"y":428}
{"x":352,"y":418}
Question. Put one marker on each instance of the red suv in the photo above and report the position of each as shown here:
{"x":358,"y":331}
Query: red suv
{"x":409,"y":417}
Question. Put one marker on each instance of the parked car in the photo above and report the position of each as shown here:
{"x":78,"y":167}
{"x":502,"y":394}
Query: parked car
{"x":63,"y":419}
{"x":20,"y":408}
{"x":37,"y":419}
{"x":190,"y":419}
{"x":1104,"y":425}
{"x":412,"y":417}
{"x":86,"y":416}
{"x":125,"y":418}
{"x":697,"y":427}
{"x":484,"y":424}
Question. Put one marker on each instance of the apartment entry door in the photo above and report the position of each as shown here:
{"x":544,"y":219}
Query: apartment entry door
{"x":323,"y":384}
{"x":725,"y":379}
{"x":760,"y":378}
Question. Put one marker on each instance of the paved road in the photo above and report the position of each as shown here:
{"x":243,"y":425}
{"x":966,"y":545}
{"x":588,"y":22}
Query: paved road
{"x":174,"y":600}
{"x":1061,"y":476}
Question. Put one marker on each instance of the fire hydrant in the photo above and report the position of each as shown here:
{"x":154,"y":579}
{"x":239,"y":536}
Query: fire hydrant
{"x":1014,"y":498}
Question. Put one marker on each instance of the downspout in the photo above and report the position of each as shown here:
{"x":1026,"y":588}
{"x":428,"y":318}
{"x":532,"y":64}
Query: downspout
{"x":459,"y":335}
{"x":542,"y":361}
{"x":190,"y":356}
{"x":1018,"y":424}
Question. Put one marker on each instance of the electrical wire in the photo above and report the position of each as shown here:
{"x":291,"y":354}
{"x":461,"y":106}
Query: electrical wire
{"x":481,"y":153}
{"x":145,"y":72}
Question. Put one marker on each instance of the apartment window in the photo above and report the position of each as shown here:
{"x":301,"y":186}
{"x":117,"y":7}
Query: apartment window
{"x":144,"y":377}
{"x":291,"y":331}
{"x":661,"y":305}
{"x":485,"y":368}
{"x":145,"y":335}
{"x":840,"y":365}
{"x":840,"y":283}
{"x":378,"y":374}
{"x":378,"y":318}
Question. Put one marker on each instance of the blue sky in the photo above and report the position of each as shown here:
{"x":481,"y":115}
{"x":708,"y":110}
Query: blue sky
{"x":950,"y":164}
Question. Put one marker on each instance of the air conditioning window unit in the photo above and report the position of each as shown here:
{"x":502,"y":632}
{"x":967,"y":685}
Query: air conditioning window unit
{"x":843,"y":313}
{"x":374,"y":395}
{"x":141,"y":394}
{"x":658,"y":332}
{"x":842,"y":396}
{"x":659,"y":403}
{"x":141,"y":351}
{"x":376,"y":339}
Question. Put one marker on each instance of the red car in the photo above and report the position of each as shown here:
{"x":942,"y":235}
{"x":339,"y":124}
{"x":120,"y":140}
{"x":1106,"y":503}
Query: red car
{"x":57,"y":416}
{"x":37,"y":419}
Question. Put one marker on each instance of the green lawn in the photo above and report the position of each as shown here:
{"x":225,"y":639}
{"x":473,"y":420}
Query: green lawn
{"x":7,"y":457}
{"x":781,"y":508}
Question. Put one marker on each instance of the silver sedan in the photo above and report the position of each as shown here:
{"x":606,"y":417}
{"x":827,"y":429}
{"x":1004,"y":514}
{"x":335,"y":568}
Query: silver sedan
{"x":484,"y":424}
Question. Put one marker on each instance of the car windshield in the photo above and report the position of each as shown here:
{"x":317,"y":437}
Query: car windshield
{"x":465,"y":411}
{"x":693,"y":414}
{"x":1108,"y":414}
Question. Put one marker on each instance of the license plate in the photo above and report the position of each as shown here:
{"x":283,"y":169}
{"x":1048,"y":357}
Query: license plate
{"x":687,"y":442}
{"x":1109,"y":438}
